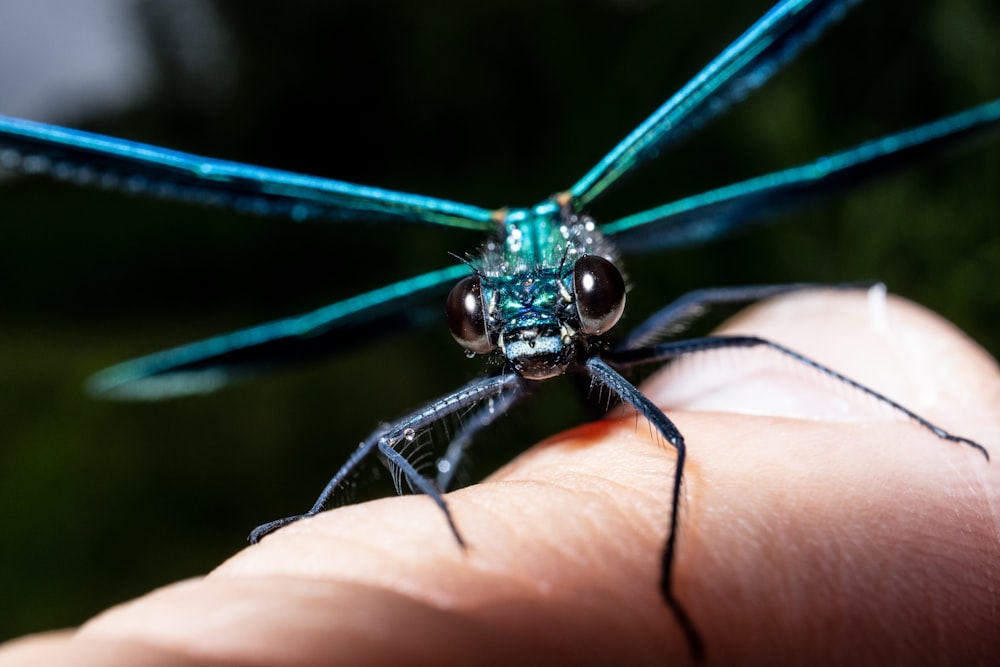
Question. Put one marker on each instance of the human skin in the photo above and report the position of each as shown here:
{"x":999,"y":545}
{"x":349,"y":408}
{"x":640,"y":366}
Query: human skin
{"x":817,"y":527}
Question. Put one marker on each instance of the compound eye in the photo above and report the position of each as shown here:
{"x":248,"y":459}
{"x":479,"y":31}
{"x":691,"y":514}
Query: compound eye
{"x":467,"y":315}
{"x":600,"y":294}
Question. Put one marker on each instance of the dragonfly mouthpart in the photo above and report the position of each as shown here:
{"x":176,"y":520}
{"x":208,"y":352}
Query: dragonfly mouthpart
{"x":537,"y":345}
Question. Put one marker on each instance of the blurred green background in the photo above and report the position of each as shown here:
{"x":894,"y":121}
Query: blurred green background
{"x":494,"y":103}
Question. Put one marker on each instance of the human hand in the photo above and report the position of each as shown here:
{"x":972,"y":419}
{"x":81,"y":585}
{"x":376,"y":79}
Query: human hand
{"x":817,"y":527}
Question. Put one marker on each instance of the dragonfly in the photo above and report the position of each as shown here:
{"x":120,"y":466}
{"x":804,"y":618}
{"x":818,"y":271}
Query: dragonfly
{"x":540,"y":298}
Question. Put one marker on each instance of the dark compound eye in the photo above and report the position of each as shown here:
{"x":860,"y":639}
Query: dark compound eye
{"x":600,"y":293}
{"x":467,"y":315}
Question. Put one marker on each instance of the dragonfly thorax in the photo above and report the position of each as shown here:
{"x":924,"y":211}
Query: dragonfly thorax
{"x":539,"y":294}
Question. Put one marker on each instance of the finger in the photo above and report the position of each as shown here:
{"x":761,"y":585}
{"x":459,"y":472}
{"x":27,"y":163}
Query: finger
{"x":822,"y":526}
{"x":563,"y":561}
{"x":562,"y":566}
{"x":894,"y":346}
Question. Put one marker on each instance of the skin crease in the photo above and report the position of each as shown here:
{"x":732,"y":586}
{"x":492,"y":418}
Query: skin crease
{"x":818,"y":527}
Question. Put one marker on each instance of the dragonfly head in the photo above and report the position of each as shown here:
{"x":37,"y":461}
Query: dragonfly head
{"x":537,"y":319}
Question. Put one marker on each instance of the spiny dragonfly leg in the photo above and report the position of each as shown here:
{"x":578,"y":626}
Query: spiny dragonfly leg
{"x":605,"y":371}
{"x":384,"y":439}
{"x":677,"y":315}
{"x":602,"y":372}
{"x":447,"y":465}
{"x":672,"y":350}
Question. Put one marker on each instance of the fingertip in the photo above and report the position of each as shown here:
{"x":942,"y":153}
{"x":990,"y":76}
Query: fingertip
{"x":805,"y":497}
{"x":890,"y":344}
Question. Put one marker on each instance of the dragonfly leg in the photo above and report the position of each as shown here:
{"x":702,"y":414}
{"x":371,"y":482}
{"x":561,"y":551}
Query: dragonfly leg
{"x":447,"y":465}
{"x":672,"y":350}
{"x":676,"y":316}
{"x":605,"y":370}
{"x":602,"y":372}
{"x":394,"y":459}
{"x":384,"y":439}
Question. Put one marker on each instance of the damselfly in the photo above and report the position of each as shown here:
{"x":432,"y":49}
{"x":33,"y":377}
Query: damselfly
{"x":560,"y":259}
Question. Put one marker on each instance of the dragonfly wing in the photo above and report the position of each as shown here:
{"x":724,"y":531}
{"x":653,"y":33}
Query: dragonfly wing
{"x":207,"y":365}
{"x":105,"y":162}
{"x":746,"y":64}
{"x":717,"y":213}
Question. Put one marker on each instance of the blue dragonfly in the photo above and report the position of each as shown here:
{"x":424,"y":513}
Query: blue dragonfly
{"x":547,"y":287}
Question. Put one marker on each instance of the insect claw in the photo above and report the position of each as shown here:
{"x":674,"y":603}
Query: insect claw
{"x":263,"y":530}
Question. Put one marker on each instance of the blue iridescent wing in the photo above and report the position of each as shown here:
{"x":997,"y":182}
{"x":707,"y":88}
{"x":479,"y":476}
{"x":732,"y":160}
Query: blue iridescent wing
{"x":106,"y":162}
{"x":717,"y":213}
{"x":745,"y":65}
{"x":209,"y":364}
